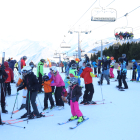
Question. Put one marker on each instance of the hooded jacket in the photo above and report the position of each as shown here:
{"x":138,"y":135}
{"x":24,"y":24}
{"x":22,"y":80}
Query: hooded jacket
{"x":40,"y":68}
{"x":86,"y":75}
{"x":9,"y":72}
{"x":58,"y":81}
{"x":47,"y":87}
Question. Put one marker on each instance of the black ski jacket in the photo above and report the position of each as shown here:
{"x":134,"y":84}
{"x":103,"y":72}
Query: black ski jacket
{"x":31,"y":82}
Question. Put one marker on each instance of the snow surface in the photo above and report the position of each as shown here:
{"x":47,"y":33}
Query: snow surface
{"x":117,"y":119}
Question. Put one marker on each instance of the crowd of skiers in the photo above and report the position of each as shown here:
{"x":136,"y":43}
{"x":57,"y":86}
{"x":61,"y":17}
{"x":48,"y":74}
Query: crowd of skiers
{"x":68,"y":90}
{"x":124,"y":36}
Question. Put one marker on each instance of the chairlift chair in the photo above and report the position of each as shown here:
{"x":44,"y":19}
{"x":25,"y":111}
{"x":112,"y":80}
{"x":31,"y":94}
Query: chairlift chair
{"x":64,"y":45}
{"x":103,"y":14}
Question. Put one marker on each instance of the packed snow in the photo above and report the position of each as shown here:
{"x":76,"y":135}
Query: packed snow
{"x":116,"y":119}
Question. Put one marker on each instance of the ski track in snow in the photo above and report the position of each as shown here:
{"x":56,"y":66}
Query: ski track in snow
{"x":118,"y":120}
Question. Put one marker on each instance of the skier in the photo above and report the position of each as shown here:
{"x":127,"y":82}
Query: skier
{"x":30,"y":81}
{"x":95,"y":67}
{"x":12,"y":64}
{"x":59,"y":83}
{"x":47,"y":92}
{"x":89,"y":89}
{"x":123,"y":72}
{"x":134,"y":70}
{"x":105,"y":70}
{"x":86,"y":58}
{"x":74,"y":92}
{"x":24,"y":58}
{"x":40,"y":73}
{"x":112,"y":67}
{"x":10,"y":78}
{"x":3,"y":78}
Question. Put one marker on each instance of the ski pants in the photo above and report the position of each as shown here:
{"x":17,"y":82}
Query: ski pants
{"x":122,"y":79}
{"x":62,"y":69}
{"x":138,"y":77}
{"x":40,"y":82}
{"x":89,"y":90}
{"x":104,"y":76}
{"x":58,"y":95}
{"x":31,"y":97}
{"x":46,"y":97}
{"x":95,"y":71}
{"x":118,"y":72}
{"x":111,"y":72}
{"x":7,"y":88}
{"x":2,"y":98}
{"x":99,"y":71}
{"x":75,"y":109}
{"x":134,"y":75}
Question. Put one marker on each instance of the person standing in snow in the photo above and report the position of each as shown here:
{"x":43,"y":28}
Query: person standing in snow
{"x":31,"y":82}
{"x":23,"y":64}
{"x":74,"y":92}
{"x":10,"y":78}
{"x":89,"y":89}
{"x":47,"y":92}
{"x":59,"y":83}
{"x":40,"y":73}
{"x":12,"y":64}
{"x":3,"y":78}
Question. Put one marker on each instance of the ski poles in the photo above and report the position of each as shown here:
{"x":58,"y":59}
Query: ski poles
{"x":40,"y":102}
{"x":14,"y":104}
{"x":28,"y":107}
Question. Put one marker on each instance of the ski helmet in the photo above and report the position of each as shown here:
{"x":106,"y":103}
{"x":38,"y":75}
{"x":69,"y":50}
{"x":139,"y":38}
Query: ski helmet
{"x":99,"y":58}
{"x":43,"y":60}
{"x":73,"y":80}
{"x":74,"y":66}
{"x":120,"y":59}
{"x":54,"y":69}
{"x":85,"y":55}
{"x":88,"y":65}
{"x":45,"y":78}
{"x":107,"y":57}
{"x":111,"y":58}
{"x":133,"y":60}
{"x":26,"y":70}
{"x":24,"y":57}
{"x":123,"y":55}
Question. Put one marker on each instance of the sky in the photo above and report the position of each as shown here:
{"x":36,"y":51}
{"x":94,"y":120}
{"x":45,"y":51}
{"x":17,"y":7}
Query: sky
{"x":45,"y":20}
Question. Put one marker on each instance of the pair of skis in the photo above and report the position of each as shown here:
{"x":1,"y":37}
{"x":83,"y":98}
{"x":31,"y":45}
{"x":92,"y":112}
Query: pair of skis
{"x":21,"y":120}
{"x":75,"y":125}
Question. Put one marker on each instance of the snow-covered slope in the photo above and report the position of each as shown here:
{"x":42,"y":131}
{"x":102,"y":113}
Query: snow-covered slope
{"x":117,"y":119}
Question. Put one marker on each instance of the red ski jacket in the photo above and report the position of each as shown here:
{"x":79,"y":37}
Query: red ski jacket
{"x":9,"y":71}
{"x":23,"y":63}
{"x":86,"y":75}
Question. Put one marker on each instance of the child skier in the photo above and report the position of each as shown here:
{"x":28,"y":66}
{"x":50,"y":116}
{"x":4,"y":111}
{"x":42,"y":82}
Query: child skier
{"x":47,"y":92}
{"x":134,"y":70}
{"x":95,"y":68}
{"x":89,"y":89}
{"x":112,"y":67}
{"x":74,"y":92}
{"x":99,"y":66}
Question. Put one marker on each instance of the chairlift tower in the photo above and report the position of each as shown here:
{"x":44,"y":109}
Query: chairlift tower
{"x":79,"y":41}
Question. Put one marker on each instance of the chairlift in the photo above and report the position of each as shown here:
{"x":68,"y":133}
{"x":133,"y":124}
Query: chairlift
{"x":123,"y":33}
{"x":64,"y":45}
{"x":103,"y":14}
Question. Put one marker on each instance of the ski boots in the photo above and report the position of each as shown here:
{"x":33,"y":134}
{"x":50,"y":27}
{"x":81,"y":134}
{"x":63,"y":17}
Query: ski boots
{"x":73,"y":118}
{"x":81,"y":119}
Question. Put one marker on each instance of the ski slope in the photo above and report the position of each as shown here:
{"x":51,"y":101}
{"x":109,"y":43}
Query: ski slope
{"x":117,"y":119}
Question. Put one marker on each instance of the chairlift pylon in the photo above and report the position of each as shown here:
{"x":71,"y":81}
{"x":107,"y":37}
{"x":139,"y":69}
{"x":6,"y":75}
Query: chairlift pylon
{"x":103,"y":14}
